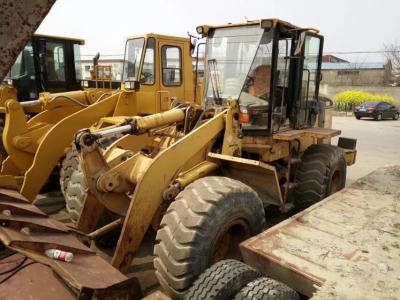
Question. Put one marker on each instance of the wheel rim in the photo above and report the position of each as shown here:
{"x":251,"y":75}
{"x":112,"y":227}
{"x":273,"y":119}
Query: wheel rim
{"x":379,"y":117}
{"x":335,"y":182}
{"x":228,"y":239}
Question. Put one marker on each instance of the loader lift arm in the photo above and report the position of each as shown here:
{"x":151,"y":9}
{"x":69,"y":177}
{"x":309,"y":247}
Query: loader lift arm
{"x":149,"y":186}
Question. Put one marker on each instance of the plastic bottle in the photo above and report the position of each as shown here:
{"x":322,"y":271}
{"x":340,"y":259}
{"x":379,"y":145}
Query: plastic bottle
{"x":59,"y":254}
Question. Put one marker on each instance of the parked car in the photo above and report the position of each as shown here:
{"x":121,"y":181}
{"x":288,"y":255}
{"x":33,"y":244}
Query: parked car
{"x":377,"y":110}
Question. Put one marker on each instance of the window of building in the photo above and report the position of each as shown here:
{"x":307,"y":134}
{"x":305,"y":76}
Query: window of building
{"x":171,"y":65}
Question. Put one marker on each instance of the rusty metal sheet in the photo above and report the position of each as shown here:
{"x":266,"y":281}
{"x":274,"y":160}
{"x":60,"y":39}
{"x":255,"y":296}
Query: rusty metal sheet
{"x":344,"y":247}
{"x":28,"y":283}
{"x":319,"y":133}
{"x":87,"y":275}
{"x":19,"y":19}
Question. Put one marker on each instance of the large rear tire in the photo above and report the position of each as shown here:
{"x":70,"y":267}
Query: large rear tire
{"x":321,"y":173}
{"x":265,"y":288}
{"x":222,"y":281}
{"x":204,"y":225}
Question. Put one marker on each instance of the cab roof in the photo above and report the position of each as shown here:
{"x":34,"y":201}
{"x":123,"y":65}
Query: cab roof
{"x":59,"y":37}
{"x":262,"y":22}
{"x":159,"y":36}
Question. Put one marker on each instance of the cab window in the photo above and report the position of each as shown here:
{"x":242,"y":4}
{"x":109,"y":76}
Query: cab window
{"x":55,"y":63}
{"x":171,"y":65}
{"x":148,"y":71}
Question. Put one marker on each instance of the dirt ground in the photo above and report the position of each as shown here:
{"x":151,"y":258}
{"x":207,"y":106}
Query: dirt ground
{"x":378,"y":143}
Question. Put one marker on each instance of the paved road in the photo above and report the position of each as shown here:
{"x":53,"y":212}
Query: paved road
{"x":378,"y":143}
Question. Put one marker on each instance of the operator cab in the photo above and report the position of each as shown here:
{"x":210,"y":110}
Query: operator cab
{"x":272,"y":67}
{"x":47,"y":64}
{"x":159,"y":68}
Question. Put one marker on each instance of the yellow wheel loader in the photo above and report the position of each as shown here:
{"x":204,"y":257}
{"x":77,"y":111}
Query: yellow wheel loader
{"x":45,"y":64}
{"x":157,"y":70}
{"x":202,"y":176}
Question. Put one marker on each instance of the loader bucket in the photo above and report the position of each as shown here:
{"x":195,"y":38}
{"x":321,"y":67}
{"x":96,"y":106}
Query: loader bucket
{"x":29,"y":232}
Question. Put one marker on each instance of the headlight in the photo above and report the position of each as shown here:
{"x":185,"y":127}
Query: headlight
{"x":266,"y":24}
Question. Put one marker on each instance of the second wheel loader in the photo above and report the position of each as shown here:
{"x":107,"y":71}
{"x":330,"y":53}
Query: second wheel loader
{"x":202,"y":176}
{"x":157,"y":70}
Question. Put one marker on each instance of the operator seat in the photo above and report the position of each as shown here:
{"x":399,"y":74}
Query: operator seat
{"x":261,"y":80}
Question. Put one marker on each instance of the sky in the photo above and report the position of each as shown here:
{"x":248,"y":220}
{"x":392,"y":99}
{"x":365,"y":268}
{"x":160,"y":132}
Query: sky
{"x":347,"y":25}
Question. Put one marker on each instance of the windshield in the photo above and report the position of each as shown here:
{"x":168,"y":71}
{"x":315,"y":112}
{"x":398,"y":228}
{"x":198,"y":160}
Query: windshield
{"x":24,"y":65}
{"x":230,"y":53}
{"x":133,"y":55}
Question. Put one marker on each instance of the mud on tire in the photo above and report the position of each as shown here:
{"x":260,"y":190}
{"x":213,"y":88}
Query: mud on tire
{"x":321,"y":172}
{"x":222,"y":281}
{"x":193,"y":230}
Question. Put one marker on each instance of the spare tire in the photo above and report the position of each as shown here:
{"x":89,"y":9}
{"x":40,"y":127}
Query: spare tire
{"x":265,"y":288}
{"x":222,"y":281}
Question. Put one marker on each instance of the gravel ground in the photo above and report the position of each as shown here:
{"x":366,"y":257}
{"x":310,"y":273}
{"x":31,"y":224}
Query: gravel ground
{"x":378,"y":143}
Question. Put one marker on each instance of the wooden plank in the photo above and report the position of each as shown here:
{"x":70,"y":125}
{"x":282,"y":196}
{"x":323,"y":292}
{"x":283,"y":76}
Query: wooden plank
{"x":346,"y":246}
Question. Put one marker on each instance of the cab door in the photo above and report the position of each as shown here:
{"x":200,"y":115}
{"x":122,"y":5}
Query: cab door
{"x":307,"y":106}
{"x":146,"y":96}
{"x":171,"y":69}
{"x":161,"y":76}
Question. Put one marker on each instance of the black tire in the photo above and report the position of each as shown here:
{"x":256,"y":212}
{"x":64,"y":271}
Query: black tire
{"x":75,"y":194}
{"x":69,"y":164}
{"x":378,"y":117}
{"x":321,"y":172}
{"x":222,"y":281}
{"x":72,"y":180}
{"x":265,"y":288}
{"x":358,"y":117}
{"x":396,"y":116}
{"x":202,"y":215}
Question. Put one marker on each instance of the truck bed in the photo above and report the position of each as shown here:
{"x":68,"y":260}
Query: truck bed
{"x":345,"y":247}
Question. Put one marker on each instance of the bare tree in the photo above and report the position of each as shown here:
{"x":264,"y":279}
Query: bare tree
{"x":392,"y":54}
